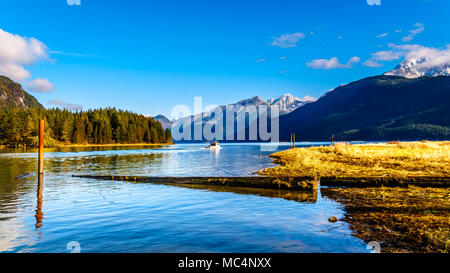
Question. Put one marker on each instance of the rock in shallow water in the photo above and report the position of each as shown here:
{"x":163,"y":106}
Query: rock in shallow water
{"x":332,"y":219}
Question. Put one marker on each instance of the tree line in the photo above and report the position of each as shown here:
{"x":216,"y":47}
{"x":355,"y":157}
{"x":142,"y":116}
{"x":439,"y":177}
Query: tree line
{"x":103,"y":126}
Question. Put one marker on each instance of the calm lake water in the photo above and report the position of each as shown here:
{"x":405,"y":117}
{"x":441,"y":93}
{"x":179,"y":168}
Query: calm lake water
{"x":116,"y":216}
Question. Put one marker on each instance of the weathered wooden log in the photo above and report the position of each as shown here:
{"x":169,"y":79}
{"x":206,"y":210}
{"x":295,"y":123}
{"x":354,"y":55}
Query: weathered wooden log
{"x":426,"y":181}
{"x":291,"y":183}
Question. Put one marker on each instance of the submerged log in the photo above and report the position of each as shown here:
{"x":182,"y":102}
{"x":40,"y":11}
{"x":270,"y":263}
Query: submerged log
{"x":364,"y":182}
{"x":291,"y":183}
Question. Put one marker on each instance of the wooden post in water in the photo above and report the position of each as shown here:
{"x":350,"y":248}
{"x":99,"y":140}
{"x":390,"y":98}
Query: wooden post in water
{"x":41,"y":147}
{"x":332,"y":139}
{"x":293,"y":141}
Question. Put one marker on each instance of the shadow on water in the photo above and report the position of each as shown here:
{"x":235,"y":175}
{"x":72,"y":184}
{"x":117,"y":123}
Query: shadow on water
{"x":298,"y":196}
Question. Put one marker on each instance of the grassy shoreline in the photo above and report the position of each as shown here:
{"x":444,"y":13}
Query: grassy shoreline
{"x":401,"y":219}
{"x":395,"y":160}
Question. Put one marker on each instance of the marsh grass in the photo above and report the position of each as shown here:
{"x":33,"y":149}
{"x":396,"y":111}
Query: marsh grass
{"x":413,"y":219}
{"x":342,"y":160}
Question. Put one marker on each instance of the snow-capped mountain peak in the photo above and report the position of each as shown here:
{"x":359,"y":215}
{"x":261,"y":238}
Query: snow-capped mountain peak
{"x":289,"y":103}
{"x":419,"y":67}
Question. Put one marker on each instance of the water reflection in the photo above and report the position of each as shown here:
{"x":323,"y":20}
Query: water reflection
{"x":39,"y":214}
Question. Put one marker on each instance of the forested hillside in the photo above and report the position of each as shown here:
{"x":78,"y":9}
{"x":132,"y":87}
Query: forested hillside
{"x":103,"y":126}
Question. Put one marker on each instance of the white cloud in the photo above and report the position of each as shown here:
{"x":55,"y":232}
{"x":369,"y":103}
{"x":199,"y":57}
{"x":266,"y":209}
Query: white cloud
{"x":332,"y":63}
{"x":287,"y":40}
{"x":17,"y":52}
{"x":383,"y":35}
{"x":308,"y":98}
{"x":65,"y":105}
{"x":40,"y":85}
{"x":14,"y":71}
{"x":432,"y":56}
{"x":419,"y":28}
{"x":73,"y":2}
{"x":260,"y":61}
{"x":387,"y":55}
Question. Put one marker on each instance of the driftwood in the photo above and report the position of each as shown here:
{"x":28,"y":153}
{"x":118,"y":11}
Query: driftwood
{"x":291,"y":183}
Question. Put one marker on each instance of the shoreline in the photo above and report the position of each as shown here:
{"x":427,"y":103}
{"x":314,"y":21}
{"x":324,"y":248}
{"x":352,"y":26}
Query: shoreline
{"x":110,"y":145}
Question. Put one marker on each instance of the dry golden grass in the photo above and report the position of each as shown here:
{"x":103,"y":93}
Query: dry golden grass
{"x":392,"y":159}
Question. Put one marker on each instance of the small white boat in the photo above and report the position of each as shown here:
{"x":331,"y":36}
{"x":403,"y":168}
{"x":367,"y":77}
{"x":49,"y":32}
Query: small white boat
{"x":214,"y":146}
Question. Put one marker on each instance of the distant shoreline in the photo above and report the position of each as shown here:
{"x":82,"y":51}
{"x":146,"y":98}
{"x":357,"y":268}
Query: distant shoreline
{"x":90,"y":145}
{"x":111,"y":145}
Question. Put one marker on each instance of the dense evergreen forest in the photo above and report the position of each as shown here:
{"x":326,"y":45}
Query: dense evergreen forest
{"x":104,"y":126}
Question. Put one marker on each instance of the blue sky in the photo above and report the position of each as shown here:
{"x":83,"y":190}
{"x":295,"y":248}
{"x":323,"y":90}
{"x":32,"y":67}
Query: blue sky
{"x":148,"y":56}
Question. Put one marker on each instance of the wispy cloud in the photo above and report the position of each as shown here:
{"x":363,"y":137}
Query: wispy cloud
{"x":332,"y":63}
{"x":73,"y":54}
{"x":287,"y":40}
{"x":382,"y":35}
{"x":372,"y":63}
{"x":17,"y":52}
{"x":40,"y":85}
{"x":73,"y":2}
{"x":419,"y":28}
{"x":260,"y":61}
{"x":65,"y":105}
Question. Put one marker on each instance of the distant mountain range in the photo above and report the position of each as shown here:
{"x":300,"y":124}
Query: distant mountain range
{"x":286,"y":103}
{"x":375,"y":108}
{"x":165,"y":122}
{"x":12,"y":95}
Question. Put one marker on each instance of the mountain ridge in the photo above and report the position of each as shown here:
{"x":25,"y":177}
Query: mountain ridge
{"x":375,"y":108}
{"x":12,"y":95}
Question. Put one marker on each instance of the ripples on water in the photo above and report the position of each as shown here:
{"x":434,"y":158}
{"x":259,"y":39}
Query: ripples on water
{"x":124,"y":217}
